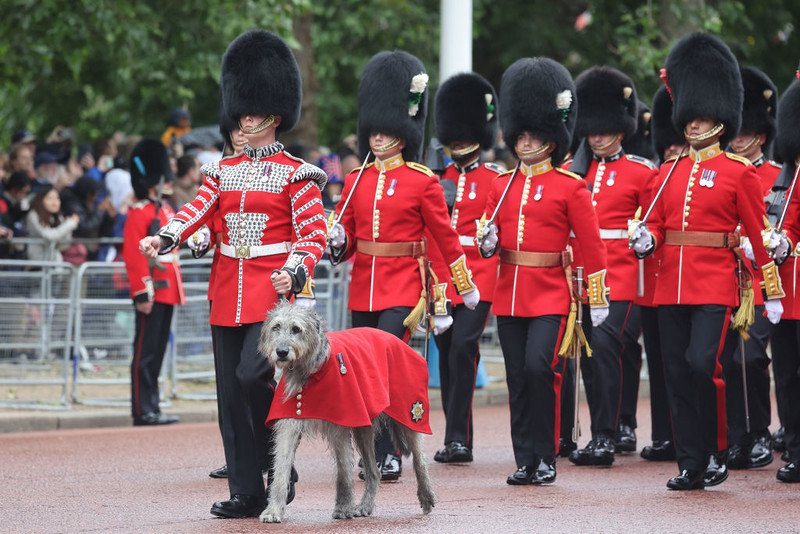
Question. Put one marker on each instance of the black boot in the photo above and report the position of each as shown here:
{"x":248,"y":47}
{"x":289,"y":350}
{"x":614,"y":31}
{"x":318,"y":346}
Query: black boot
{"x":599,"y":451}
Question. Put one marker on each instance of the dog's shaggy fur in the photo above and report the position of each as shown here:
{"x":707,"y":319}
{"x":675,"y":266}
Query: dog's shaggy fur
{"x":293,"y":338}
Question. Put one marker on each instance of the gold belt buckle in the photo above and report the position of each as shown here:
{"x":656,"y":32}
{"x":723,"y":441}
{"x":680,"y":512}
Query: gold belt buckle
{"x":242,"y":251}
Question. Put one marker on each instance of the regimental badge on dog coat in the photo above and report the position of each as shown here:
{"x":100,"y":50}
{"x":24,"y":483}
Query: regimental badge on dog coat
{"x":383,"y":374}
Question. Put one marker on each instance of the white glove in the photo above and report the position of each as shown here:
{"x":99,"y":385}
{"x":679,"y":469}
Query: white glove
{"x":305,"y":302}
{"x":774,"y":310}
{"x":747,"y":249}
{"x":598,"y":315}
{"x":642,"y":239}
{"x":778,"y":246}
{"x":471,"y":298}
{"x":489,"y":242}
{"x":441,"y":323}
{"x":337,"y":235}
{"x":200,"y":239}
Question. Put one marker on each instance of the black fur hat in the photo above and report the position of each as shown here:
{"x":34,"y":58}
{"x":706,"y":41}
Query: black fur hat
{"x":641,"y":143}
{"x":788,"y":133}
{"x":149,"y":162}
{"x":260,"y":76}
{"x":393,"y":100}
{"x":664,"y":132}
{"x":465,"y":110}
{"x":226,"y":123}
{"x":608,"y":102}
{"x":760,"y":104}
{"x":703,"y":77}
{"x":538,"y":96}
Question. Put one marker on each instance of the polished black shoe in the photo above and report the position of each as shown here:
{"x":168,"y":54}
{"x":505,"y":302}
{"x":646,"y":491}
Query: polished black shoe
{"x":291,"y":493}
{"x":779,"y":440}
{"x":760,"y":453}
{"x":522,"y":476}
{"x":220,"y":472}
{"x":391,"y":467}
{"x":659,"y":451}
{"x":453,"y":452}
{"x":599,"y":451}
{"x":789,"y":472}
{"x":737,"y":457}
{"x":565,"y":447}
{"x":155,"y":418}
{"x":625,"y":440}
{"x":545,"y":472}
{"x":239,"y":506}
{"x":717,"y":470}
{"x":785,"y":457}
{"x":687,"y":480}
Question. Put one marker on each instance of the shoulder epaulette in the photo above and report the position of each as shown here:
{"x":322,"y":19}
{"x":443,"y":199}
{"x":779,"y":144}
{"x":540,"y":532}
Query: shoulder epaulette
{"x":494,"y":167}
{"x":358,"y":169}
{"x":139,"y":204}
{"x":673,"y":158}
{"x":567,"y":173}
{"x":506,"y":172}
{"x":775,"y":164}
{"x":642,"y":161}
{"x":294,"y":158}
{"x":740,"y":159}
{"x":419,"y":167}
{"x":211,"y":168}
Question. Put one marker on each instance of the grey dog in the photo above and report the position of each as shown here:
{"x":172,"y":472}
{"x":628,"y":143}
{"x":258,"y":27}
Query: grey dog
{"x":293,"y":338}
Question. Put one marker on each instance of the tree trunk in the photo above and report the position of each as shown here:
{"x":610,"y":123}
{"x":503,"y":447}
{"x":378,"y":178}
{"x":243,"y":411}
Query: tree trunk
{"x":306,"y":129}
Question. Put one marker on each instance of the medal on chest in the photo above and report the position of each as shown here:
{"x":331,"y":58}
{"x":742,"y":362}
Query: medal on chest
{"x":473,"y":191}
{"x":538,"y":196}
{"x":392,"y":187}
{"x":611,"y":176}
{"x":707,"y":178}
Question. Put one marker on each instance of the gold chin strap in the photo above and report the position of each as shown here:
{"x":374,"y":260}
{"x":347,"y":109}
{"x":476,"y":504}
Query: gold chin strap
{"x":752,"y":142}
{"x":388,"y":146}
{"x":703,"y":136}
{"x":464,"y":151}
{"x":266,"y":123}
{"x":535,"y":152}
{"x":607,"y":145}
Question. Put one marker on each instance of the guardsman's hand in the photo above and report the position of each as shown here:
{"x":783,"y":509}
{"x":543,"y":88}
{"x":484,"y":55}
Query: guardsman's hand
{"x":150,"y":245}
{"x":441,"y":323}
{"x":281,"y":281}
{"x":471,"y":298}
{"x":599,"y":314}
{"x":336,"y":236}
{"x":747,"y":249}
{"x":144,"y":307}
{"x":773,"y":309}
{"x":305,"y":302}
{"x":489,"y":242}
{"x":641,"y":239}
{"x":200,"y":239}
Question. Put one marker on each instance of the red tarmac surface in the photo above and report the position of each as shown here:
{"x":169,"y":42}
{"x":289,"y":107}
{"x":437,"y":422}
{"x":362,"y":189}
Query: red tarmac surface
{"x":155,"y":480}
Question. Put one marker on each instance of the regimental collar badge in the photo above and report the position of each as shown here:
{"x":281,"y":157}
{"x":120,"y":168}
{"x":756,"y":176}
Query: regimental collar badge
{"x":417,"y":411}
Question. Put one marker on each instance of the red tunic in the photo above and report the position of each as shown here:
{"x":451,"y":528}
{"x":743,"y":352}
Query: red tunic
{"x":382,"y":374}
{"x":709,"y":191}
{"x":472,"y":192}
{"x":790,"y":270}
{"x":618,"y":186}
{"x":394,"y":201}
{"x":542,"y":206}
{"x":652,"y":262}
{"x":137,"y":227}
{"x":262,"y":196}
{"x":768,"y":171}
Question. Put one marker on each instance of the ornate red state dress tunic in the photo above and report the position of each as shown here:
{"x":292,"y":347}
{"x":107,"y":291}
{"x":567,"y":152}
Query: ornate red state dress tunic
{"x":368,"y":372}
{"x":537,"y":215}
{"x":164,"y":286}
{"x":269,"y":206}
{"x":790,"y":269}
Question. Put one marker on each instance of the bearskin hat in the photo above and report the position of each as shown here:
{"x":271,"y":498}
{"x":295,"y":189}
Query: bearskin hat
{"x":393,"y":100}
{"x":538,"y":96}
{"x":788,"y":134}
{"x":226,"y":123}
{"x":641,"y":143}
{"x":260,"y":76}
{"x":149,"y":162}
{"x":608,"y":102}
{"x":664,"y":132}
{"x":465,"y":110}
{"x":703,"y":77}
{"x":760,"y":104}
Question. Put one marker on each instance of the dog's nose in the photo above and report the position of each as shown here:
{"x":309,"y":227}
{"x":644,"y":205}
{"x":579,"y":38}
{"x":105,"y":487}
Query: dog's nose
{"x":283,"y":354}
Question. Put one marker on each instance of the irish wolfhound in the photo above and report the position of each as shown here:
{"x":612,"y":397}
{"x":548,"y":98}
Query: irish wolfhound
{"x":338,"y":385}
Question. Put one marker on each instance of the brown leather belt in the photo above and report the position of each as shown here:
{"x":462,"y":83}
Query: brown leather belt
{"x":415,"y":249}
{"x":534,"y":259}
{"x":702,"y":239}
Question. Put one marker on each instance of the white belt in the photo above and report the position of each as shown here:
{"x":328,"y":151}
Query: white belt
{"x":168,"y":258}
{"x":613,"y":234}
{"x":245,"y":252}
{"x":466,"y":240}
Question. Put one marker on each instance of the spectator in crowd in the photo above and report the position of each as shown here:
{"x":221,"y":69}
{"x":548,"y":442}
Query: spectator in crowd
{"x":187,"y":181}
{"x":349,"y":159}
{"x":95,"y":219}
{"x":46,"y":220}
{"x":332,"y":165}
{"x":25,"y":137}
{"x":180,"y":122}
{"x":46,"y":170}
{"x":20,"y":158}
{"x":3,"y":167}
{"x":14,"y":207}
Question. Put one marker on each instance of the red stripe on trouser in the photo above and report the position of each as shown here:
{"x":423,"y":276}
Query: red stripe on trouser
{"x":136,"y":359}
{"x":719,"y":385}
{"x":557,"y":380}
{"x":619,"y":358}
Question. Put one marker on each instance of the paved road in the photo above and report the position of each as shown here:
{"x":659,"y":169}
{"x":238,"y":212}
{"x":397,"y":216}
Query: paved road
{"x":154,"y":480}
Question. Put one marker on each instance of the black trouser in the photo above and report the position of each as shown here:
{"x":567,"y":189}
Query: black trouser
{"x":530,"y":350}
{"x":459,"y":355}
{"x":660,"y":423}
{"x":149,"y":345}
{"x":692,"y":337}
{"x":602,"y":375}
{"x":631,"y":366}
{"x":757,"y":368}
{"x":246,"y":388}
{"x":567,"y":368}
{"x":786,"y":366}
{"x":389,"y":320}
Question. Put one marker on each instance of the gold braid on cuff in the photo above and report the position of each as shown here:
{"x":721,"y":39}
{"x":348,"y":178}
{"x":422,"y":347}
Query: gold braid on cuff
{"x":597,"y":292}
{"x":440,"y":299}
{"x":772,"y":281}
{"x":462,"y":276}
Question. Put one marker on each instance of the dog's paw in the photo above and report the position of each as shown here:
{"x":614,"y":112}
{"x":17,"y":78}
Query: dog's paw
{"x":270,"y":516}
{"x":343,"y":513}
{"x":363,"y":511}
